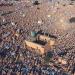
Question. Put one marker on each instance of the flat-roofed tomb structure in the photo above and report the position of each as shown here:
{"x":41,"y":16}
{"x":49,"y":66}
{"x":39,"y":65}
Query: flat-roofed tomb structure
{"x":41,"y":44}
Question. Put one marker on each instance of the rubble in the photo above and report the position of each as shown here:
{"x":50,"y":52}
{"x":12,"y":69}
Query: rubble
{"x":19,"y":18}
{"x":6,"y":34}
